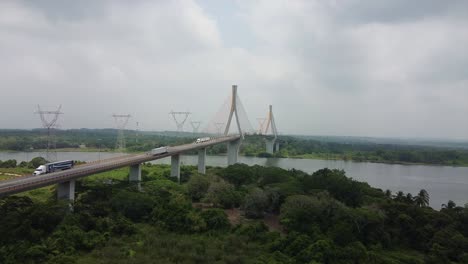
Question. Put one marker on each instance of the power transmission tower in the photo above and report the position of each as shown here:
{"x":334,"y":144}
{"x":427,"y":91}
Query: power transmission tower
{"x":195,"y":126}
{"x":180,"y":123}
{"x":261,"y":124}
{"x":49,"y":124}
{"x":120,"y":122}
{"x":136,"y":133}
{"x":219,"y":127}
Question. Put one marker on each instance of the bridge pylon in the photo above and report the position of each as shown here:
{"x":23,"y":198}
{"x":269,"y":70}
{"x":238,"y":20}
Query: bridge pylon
{"x":271,"y":124}
{"x":233,"y":112}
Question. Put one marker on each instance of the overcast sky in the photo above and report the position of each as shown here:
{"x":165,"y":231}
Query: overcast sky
{"x":361,"y":68}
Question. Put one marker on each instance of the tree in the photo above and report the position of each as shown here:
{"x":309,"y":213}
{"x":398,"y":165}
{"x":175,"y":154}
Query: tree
{"x":450,"y":205}
{"x":399,"y":196}
{"x":422,"y":199}
{"x":409,"y":198}
{"x":133,"y":205}
{"x":307,"y":213}
{"x":38,"y":161}
{"x":238,"y":174}
{"x":388,"y":193}
{"x":223,"y":194}
{"x":215,"y":219}
{"x":255,"y":203}
{"x":197,"y":186}
{"x":8,"y":164}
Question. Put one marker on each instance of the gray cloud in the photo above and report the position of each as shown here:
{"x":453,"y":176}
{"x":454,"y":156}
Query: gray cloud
{"x":371,"y":68}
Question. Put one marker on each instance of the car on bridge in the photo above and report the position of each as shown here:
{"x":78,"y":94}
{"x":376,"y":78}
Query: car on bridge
{"x":158,"y":151}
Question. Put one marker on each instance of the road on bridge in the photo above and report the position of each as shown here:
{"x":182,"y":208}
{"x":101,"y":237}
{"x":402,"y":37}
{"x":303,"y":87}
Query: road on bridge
{"x":25,"y":183}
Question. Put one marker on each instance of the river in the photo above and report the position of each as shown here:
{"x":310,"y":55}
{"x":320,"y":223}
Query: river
{"x":443,"y":183}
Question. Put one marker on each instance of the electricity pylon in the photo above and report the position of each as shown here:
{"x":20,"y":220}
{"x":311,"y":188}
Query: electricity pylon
{"x":136,"y":132}
{"x":49,"y":124}
{"x":219,"y":127}
{"x":261,"y":124}
{"x":120,"y":122}
{"x":195,"y":126}
{"x":180,"y":123}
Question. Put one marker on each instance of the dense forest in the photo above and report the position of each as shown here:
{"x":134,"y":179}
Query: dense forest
{"x":253,"y":145}
{"x":238,"y":214}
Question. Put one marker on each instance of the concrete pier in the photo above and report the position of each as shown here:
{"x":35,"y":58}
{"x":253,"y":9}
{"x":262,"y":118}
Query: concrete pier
{"x":175,"y":167}
{"x":270,"y":146}
{"x":135,"y":173}
{"x":233,"y":151}
{"x":202,"y":160}
{"x":66,"y":190}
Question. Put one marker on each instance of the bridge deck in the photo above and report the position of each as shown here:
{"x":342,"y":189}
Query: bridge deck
{"x":25,"y":183}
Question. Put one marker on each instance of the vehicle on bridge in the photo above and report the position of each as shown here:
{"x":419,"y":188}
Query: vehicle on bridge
{"x":54,"y":166}
{"x":157,"y":151}
{"x":201,"y":140}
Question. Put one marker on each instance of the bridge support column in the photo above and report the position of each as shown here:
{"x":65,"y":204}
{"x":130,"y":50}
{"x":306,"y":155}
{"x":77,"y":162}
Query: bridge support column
{"x":270,"y":146}
{"x":233,"y":151}
{"x":175,"y":167}
{"x":135,"y":173}
{"x":201,"y":161}
{"x":66,"y":190}
{"x":277,"y":147}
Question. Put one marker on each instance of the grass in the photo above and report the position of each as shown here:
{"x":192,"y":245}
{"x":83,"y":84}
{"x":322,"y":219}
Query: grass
{"x":118,"y":174}
{"x":40,"y":195}
{"x":151,"y":245}
{"x":17,"y":170}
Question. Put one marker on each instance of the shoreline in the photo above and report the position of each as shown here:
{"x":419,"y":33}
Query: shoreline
{"x":304,"y":157}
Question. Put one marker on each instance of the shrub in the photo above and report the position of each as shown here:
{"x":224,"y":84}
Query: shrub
{"x":197,"y":187}
{"x":255,"y":203}
{"x":215,"y":219}
{"x":223,"y":194}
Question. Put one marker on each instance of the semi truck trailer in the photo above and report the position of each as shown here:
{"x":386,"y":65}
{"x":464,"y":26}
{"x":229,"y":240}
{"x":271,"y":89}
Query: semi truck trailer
{"x":54,"y":166}
{"x":201,"y":140}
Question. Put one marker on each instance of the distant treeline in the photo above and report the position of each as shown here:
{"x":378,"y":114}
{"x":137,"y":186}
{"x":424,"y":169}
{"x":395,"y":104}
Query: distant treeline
{"x":254,"y":145}
{"x":386,"y":153}
{"x":25,"y":140}
{"x":34,"y":163}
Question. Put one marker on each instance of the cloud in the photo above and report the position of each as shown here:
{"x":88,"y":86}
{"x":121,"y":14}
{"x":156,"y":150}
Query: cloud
{"x":370,"y":67}
{"x":374,"y":68}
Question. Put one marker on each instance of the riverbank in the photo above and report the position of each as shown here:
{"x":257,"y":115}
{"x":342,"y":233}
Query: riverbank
{"x":310,"y":156}
{"x":390,"y":162}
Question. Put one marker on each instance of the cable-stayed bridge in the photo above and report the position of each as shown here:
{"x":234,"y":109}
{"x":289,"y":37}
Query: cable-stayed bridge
{"x":230,"y":124}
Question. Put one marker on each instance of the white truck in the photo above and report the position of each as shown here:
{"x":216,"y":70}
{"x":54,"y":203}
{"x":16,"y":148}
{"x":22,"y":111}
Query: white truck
{"x":157,"y":151}
{"x":54,"y":166}
{"x":201,"y":140}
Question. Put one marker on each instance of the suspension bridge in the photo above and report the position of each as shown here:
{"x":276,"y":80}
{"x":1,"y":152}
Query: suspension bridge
{"x":65,"y":180}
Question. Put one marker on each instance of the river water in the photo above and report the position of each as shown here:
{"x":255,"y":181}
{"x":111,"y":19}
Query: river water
{"x":443,"y":183}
